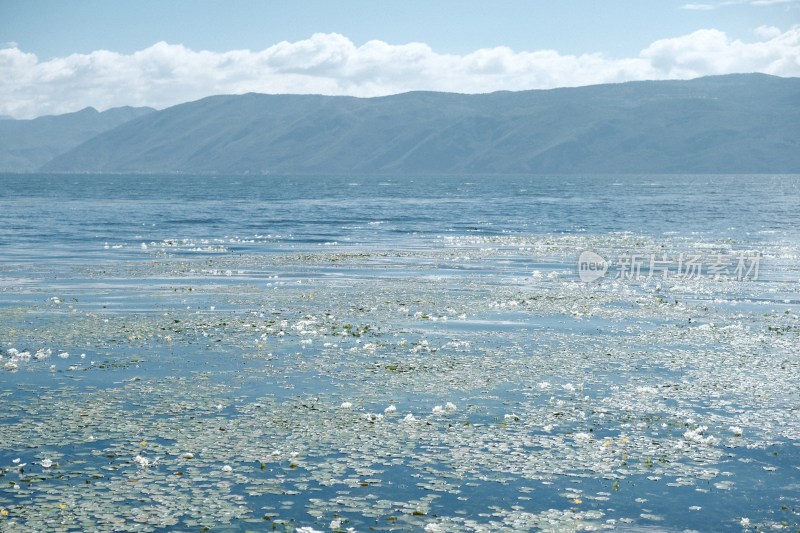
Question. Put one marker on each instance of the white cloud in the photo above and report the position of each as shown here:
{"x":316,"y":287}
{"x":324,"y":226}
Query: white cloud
{"x":707,"y":52}
{"x":771,"y":2}
{"x":166,"y":74}
{"x":766,"y":33}
{"x":757,"y":3}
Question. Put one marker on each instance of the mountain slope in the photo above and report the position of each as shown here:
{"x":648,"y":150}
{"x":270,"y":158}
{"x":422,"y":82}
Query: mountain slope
{"x":736,"y":123}
{"x":25,"y":145}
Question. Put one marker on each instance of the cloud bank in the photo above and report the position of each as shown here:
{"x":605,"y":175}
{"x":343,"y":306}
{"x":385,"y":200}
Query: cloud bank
{"x":728,"y":3}
{"x":167,"y":74}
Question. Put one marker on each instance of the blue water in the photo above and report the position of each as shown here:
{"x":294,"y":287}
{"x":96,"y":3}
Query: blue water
{"x":79,"y":211}
{"x":231,"y":316}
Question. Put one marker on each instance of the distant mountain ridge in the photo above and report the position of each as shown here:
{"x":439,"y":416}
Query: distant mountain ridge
{"x":26,"y":145}
{"x":747,"y":123}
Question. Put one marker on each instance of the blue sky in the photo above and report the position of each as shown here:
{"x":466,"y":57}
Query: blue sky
{"x":50,"y":48}
{"x":52,"y":28}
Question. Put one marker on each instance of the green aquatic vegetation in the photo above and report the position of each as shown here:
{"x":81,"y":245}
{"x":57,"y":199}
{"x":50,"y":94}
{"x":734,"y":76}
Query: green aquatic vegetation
{"x":561,"y":387}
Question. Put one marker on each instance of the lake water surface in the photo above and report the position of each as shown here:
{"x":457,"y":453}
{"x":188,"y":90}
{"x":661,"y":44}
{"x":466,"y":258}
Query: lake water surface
{"x":187,"y":353}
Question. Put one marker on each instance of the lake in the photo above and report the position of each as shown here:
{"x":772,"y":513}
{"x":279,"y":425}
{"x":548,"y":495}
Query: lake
{"x":555,"y":353}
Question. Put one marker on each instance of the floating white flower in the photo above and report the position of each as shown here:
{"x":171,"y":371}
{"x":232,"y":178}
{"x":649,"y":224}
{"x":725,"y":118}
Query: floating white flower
{"x":227,"y":469}
{"x":46,"y":463}
{"x":736,"y":430}
{"x":389,"y":410}
{"x":450,"y":406}
{"x":187,"y":455}
{"x":409,"y":418}
{"x":697,"y":435}
{"x":144,"y":462}
{"x":346,"y":405}
{"x":438,"y":410}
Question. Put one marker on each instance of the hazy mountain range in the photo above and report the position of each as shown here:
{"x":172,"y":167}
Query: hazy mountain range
{"x":26,"y":145}
{"x":747,"y":123}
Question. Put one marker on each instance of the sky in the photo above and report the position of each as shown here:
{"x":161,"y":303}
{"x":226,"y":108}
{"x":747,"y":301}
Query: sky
{"x":60,"y":56}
